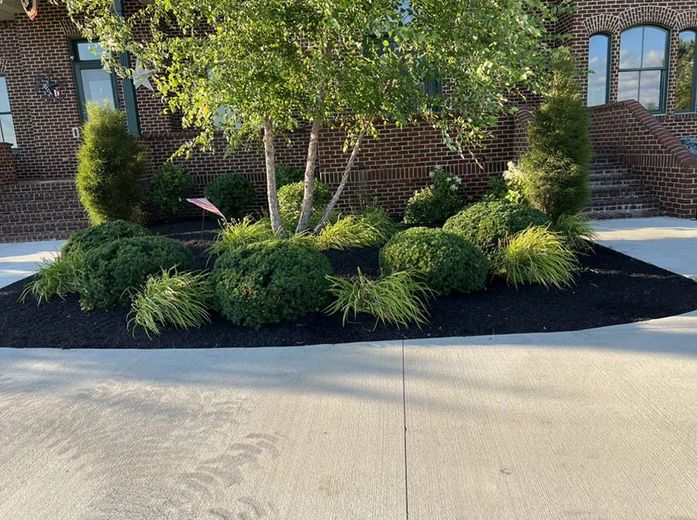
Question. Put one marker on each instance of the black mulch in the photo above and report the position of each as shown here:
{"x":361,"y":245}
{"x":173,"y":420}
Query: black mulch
{"x":611,"y":289}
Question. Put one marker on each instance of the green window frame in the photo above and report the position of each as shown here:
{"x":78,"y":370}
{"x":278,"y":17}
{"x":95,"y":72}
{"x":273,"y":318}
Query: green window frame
{"x":86,"y":59}
{"x":7,"y":127}
{"x":641,"y":72}
{"x":686,"y":71}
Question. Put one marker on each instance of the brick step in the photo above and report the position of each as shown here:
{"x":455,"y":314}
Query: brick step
{"x":609,"y":215}
{"x":623,"y":203}
{"x":614,"y":180}
{"x":618,"y":170}
{"x":619,"y":191}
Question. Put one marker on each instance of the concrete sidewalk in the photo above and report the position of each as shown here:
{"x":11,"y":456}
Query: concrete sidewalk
{"x":583,"y":425}
{"x":19,"y":260}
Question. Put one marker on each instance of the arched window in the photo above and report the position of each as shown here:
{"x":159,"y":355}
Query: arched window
{"x":685,"y":69}
{"x":598,"y":69}
{"x":644,"y":66}
{"x":7,"y":127}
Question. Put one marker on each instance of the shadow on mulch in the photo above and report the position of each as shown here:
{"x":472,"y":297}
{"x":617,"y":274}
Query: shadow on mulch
{"x":611,"y":289}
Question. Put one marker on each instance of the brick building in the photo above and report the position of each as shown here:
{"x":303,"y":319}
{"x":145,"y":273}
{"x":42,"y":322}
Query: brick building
{"x":642,"y":91}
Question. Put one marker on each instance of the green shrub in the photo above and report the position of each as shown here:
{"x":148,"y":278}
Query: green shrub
{"x":58,"y":277}
{"x":576,"y":232}
{"x":433,"y":205}
{"x":111,"y":162}
{"x":349,"y":232}
{"x":171,"y":298}
{"x":241,"y":233}
{"x":117,"y":266}
{"x":290,"y":199}
{"x":398,"y":298}
{"x":271,"y":282}
{"x":447,"y":262}
{"x":380,"y":220}
{"x":85,"y":240}
{"x":170,"y":188}
{"x":487,"y":223}
{"x":233,"y":194}
{"x":536,"y":256}
{"x":288,"y":175}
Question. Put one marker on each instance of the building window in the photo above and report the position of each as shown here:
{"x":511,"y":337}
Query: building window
{"x":7,"y":127}
{"x":94,"y":84}
{"x":598,"y":69}
{"x":643,"y":70}
{"x":685,"y":92}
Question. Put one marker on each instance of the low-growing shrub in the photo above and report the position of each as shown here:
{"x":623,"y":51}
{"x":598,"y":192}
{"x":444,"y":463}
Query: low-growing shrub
{"x":233,"y":194}
{"x":398,"y":298}
{"x":431,"y":206}
{"x":180,"y":299}
{"x":170,"y":188}
{"x":92,"y":237}
{"x":487,"y":223}
{"x":114,"y":268}
{"x":576,"y":231}
{"x":241,"y":233}
{"x":271,"y":282}
{"x":446,"y":261}
{"x":536,"y":256}
{"x":111,"y":162}
{"x":288,"y":175}
{"x":290,"y":199}
{"x":348,"y":232}
{"x":58,"y":277}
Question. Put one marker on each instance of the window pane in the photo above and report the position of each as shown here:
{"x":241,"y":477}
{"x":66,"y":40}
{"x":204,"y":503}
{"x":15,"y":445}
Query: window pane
{"x":7,"y":130}
{"x":655,"y":40}
{"x":628,"y":87}
{"x":684,"y":97}
{"x":4,"y":99}
{"x":650,"y":89}
{"x":97,"y":86}
{"x":599,"y":47}
{"x":630,"y":48}
{"x":88,"y":51}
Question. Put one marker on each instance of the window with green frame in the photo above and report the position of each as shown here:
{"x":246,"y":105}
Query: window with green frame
{"x":93,"y":83}
{"x":686,"y":73}
{"x":7,"y":127}
{"x":643,"y":71}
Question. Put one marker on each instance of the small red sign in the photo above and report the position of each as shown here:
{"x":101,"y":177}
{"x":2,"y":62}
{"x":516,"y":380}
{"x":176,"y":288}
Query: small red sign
{"x":31,"y":7}
{"x":206,"y":205}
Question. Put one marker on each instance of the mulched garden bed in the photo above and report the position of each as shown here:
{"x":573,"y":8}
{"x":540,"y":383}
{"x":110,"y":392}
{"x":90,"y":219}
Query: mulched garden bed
{"x":611,"y":289}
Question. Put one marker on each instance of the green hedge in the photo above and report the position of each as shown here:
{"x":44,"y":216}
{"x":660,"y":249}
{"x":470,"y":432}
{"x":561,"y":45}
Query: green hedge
{"x":88,"y":239}
{"x":170,"y":188}
{"x":233,"y":194}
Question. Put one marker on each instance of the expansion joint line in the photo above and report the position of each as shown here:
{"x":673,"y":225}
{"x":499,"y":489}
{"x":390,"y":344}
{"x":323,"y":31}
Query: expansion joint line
{"x":404,"y":432}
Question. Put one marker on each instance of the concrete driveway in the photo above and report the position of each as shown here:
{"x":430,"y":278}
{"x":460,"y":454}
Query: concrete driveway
{"x":585,"y":425}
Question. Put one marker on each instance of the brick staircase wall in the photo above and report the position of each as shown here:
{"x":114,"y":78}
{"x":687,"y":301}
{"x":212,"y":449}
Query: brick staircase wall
{"x":8,"y":172}
{"x":629,"y":133}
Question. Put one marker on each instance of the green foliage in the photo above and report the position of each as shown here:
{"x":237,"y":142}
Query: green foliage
{"x":241,"y":233}
{"x":536,"y":256}
{"x":171,"y":298}
{"x":447,"y":262}
{"x":271,"y":282}
{"x":433,"y":205}
{"x":554,"y":173}
{"x":117,"y":266}
{"x":487,"y":223}
{"x":170,"y":188}
{"x":290,"y":198}
{"x":111,"y":162}
{"x":506,"y":188}
{"x":92,"y":237}
{"x":398,"y":298}
{"x":58,"y":277}
{"x":288,"y":175}
{"x":233,"y":194}
{"x":380,"y":220}
{"x":349,"y":232}
{"x":576,"y":231}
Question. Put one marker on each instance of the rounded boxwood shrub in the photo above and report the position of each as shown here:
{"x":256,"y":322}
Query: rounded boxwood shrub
{"x":431,"y":206}
{"x":447,"y":262}
{"x":271,"y":282}
{"x":485,"y":224}
{"x":85,"y":240}
{"x":290,"y":200}
{"x":113,"y":268}
{"x":233,"y":194}
{"x":170,"y":188}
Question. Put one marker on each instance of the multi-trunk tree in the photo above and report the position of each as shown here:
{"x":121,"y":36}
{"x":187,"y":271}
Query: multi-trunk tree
{"x":252,"y":69}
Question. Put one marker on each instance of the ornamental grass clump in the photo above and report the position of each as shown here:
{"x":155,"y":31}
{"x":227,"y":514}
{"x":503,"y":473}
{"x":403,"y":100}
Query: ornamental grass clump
{"x":536,"y":256}
{"x":171,"y":298}
{"x":349,"y":232}
{"x":379,"y":219}
{"x":239,"y":233}
{"x":576,"y":231}
{"x":399,"y":298}
{"x":58,"y":277}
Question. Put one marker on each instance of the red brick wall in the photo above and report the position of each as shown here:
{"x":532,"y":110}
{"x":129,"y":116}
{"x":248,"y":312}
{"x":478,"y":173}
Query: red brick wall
{"x":626,"y":130}
{"x":8,"y":173}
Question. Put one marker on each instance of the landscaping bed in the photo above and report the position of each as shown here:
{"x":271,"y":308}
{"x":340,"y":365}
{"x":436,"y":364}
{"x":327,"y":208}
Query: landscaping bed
{"x":610,"y":289}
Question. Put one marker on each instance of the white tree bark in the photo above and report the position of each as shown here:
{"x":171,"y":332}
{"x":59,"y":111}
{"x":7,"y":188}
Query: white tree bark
{"x":271,"y":191}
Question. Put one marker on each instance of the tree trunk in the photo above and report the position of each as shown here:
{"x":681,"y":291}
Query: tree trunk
{"x":271,"y":191}
{"x":342,"y":184}
{"x":310,"y":168}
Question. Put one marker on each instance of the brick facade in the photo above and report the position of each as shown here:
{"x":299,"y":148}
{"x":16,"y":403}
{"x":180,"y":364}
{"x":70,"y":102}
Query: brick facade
{"x":388,"y":170}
